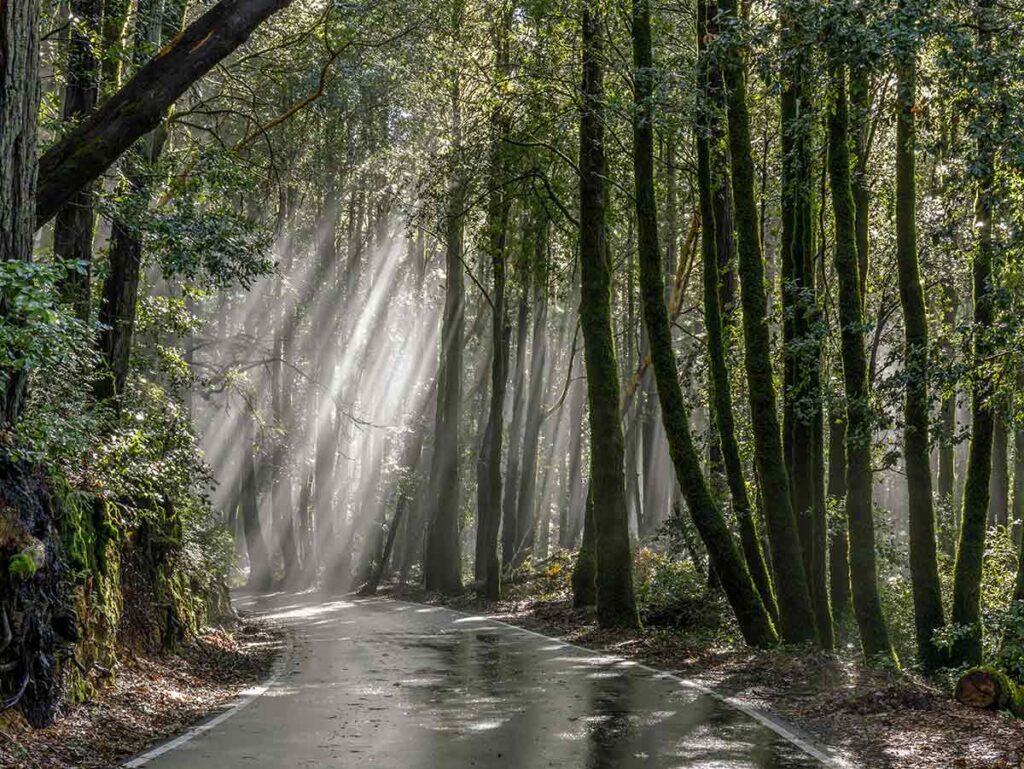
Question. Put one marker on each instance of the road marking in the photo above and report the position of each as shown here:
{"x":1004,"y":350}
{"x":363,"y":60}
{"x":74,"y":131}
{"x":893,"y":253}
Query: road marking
{"x":237,"y":705}
{"x":782,"y":729}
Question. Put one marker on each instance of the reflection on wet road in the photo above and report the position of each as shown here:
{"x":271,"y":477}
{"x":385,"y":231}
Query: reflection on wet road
{"x":382,"y":684}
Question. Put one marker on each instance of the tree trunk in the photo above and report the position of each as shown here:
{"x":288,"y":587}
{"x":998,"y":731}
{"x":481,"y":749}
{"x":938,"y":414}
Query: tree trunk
{"x":999,"y":482}
{"x":255,"y":545}
{"x":971,"y":546}
{"x":796,"y":613}
{"x":707,"y":517}
{"x":121,"y":288}
{"x":615,"y":601}
{"x":526,"y":512}
{"x":866,"y":604}
{"x":73,"y":228}
{"x":443,"y":558}
{"x":584,"y":574}
{"x":19,"y":115}
{"x":924,"y":570}
{"x":721,"y":395}
{"x":509,"y":536}
{"x":489,"y":497}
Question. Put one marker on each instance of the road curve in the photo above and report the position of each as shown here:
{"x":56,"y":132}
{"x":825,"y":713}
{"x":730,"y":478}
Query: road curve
{"x":377,"y":683}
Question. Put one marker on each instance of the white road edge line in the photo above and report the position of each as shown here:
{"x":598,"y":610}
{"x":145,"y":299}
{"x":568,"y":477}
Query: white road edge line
{"x":240,"y":702}
{"x":814,"y":751}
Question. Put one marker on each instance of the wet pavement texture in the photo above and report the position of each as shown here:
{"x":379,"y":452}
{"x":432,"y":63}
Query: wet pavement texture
{"x":377,"y":683}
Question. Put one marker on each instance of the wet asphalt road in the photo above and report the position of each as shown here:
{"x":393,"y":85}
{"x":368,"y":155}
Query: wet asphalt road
{"x":374,"y":683}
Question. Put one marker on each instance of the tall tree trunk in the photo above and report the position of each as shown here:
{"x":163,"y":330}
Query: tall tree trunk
{"x":802,"y":345}
{"x":866,"y":604}
{"x":924,"y":570}
{"x":509,"y":537}
{"x":19,"y":115}
{"x":721,"y":394}
{"x":971,"y":546}
{"x":726,"y":560}
{"x":73,"y":228}
{"x":443,"y":558}
{"x":615,"y":600}
{"x":796,"y":613}
{"x":489,"y":497}
{"x":526,"y":512}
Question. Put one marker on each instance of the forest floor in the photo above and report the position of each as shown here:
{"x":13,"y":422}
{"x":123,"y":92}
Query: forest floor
{"x":876,"y":719}
{"x":150,"y":699}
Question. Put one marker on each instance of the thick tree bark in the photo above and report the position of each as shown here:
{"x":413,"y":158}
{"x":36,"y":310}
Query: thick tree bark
{"x":728,"y":564}
{"x":73,"y":228}
{"x":866,"y":604}
{"x":615,"y":600}
{"x":78,"y":159}
{"x":796,"y":613}
{"x":19,"y":115}
{"x":924,"y":570}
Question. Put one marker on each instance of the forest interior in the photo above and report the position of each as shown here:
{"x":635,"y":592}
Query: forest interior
{"x":686,"y":332}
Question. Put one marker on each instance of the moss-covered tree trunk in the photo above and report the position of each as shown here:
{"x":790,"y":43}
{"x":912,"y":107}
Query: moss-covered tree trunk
{"x":515,"y":432}
{"x":722,"y":408}
{"x":971,"y":545}
{"x":861,"y":529}
{"x":726,"y":560}
{"x":614,"y":578}
{"x":584,"y":583}
{"x":796,"y":613}
{"x":924,"y":570}
{"x":802,"y":436}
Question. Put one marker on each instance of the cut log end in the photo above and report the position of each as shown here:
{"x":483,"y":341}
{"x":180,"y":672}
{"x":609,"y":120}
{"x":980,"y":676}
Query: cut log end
{"x":991,"y":689}
{"x":979,"y":689}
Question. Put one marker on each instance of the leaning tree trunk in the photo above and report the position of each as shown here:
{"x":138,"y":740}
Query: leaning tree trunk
{"x":85,"y":153}
{"x":726,"y":560}
{"x":866,"y":604}
{"x":924,"y":570}
{"x":971,"y":547}
{"x":615,"y":600}
{"x":796,"y":612}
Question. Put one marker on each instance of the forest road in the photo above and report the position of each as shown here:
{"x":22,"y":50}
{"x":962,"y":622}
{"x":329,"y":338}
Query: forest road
{"x":378,"y":683}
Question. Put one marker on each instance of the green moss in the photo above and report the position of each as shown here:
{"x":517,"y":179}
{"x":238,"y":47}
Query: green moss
{"x":22,"y":567}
